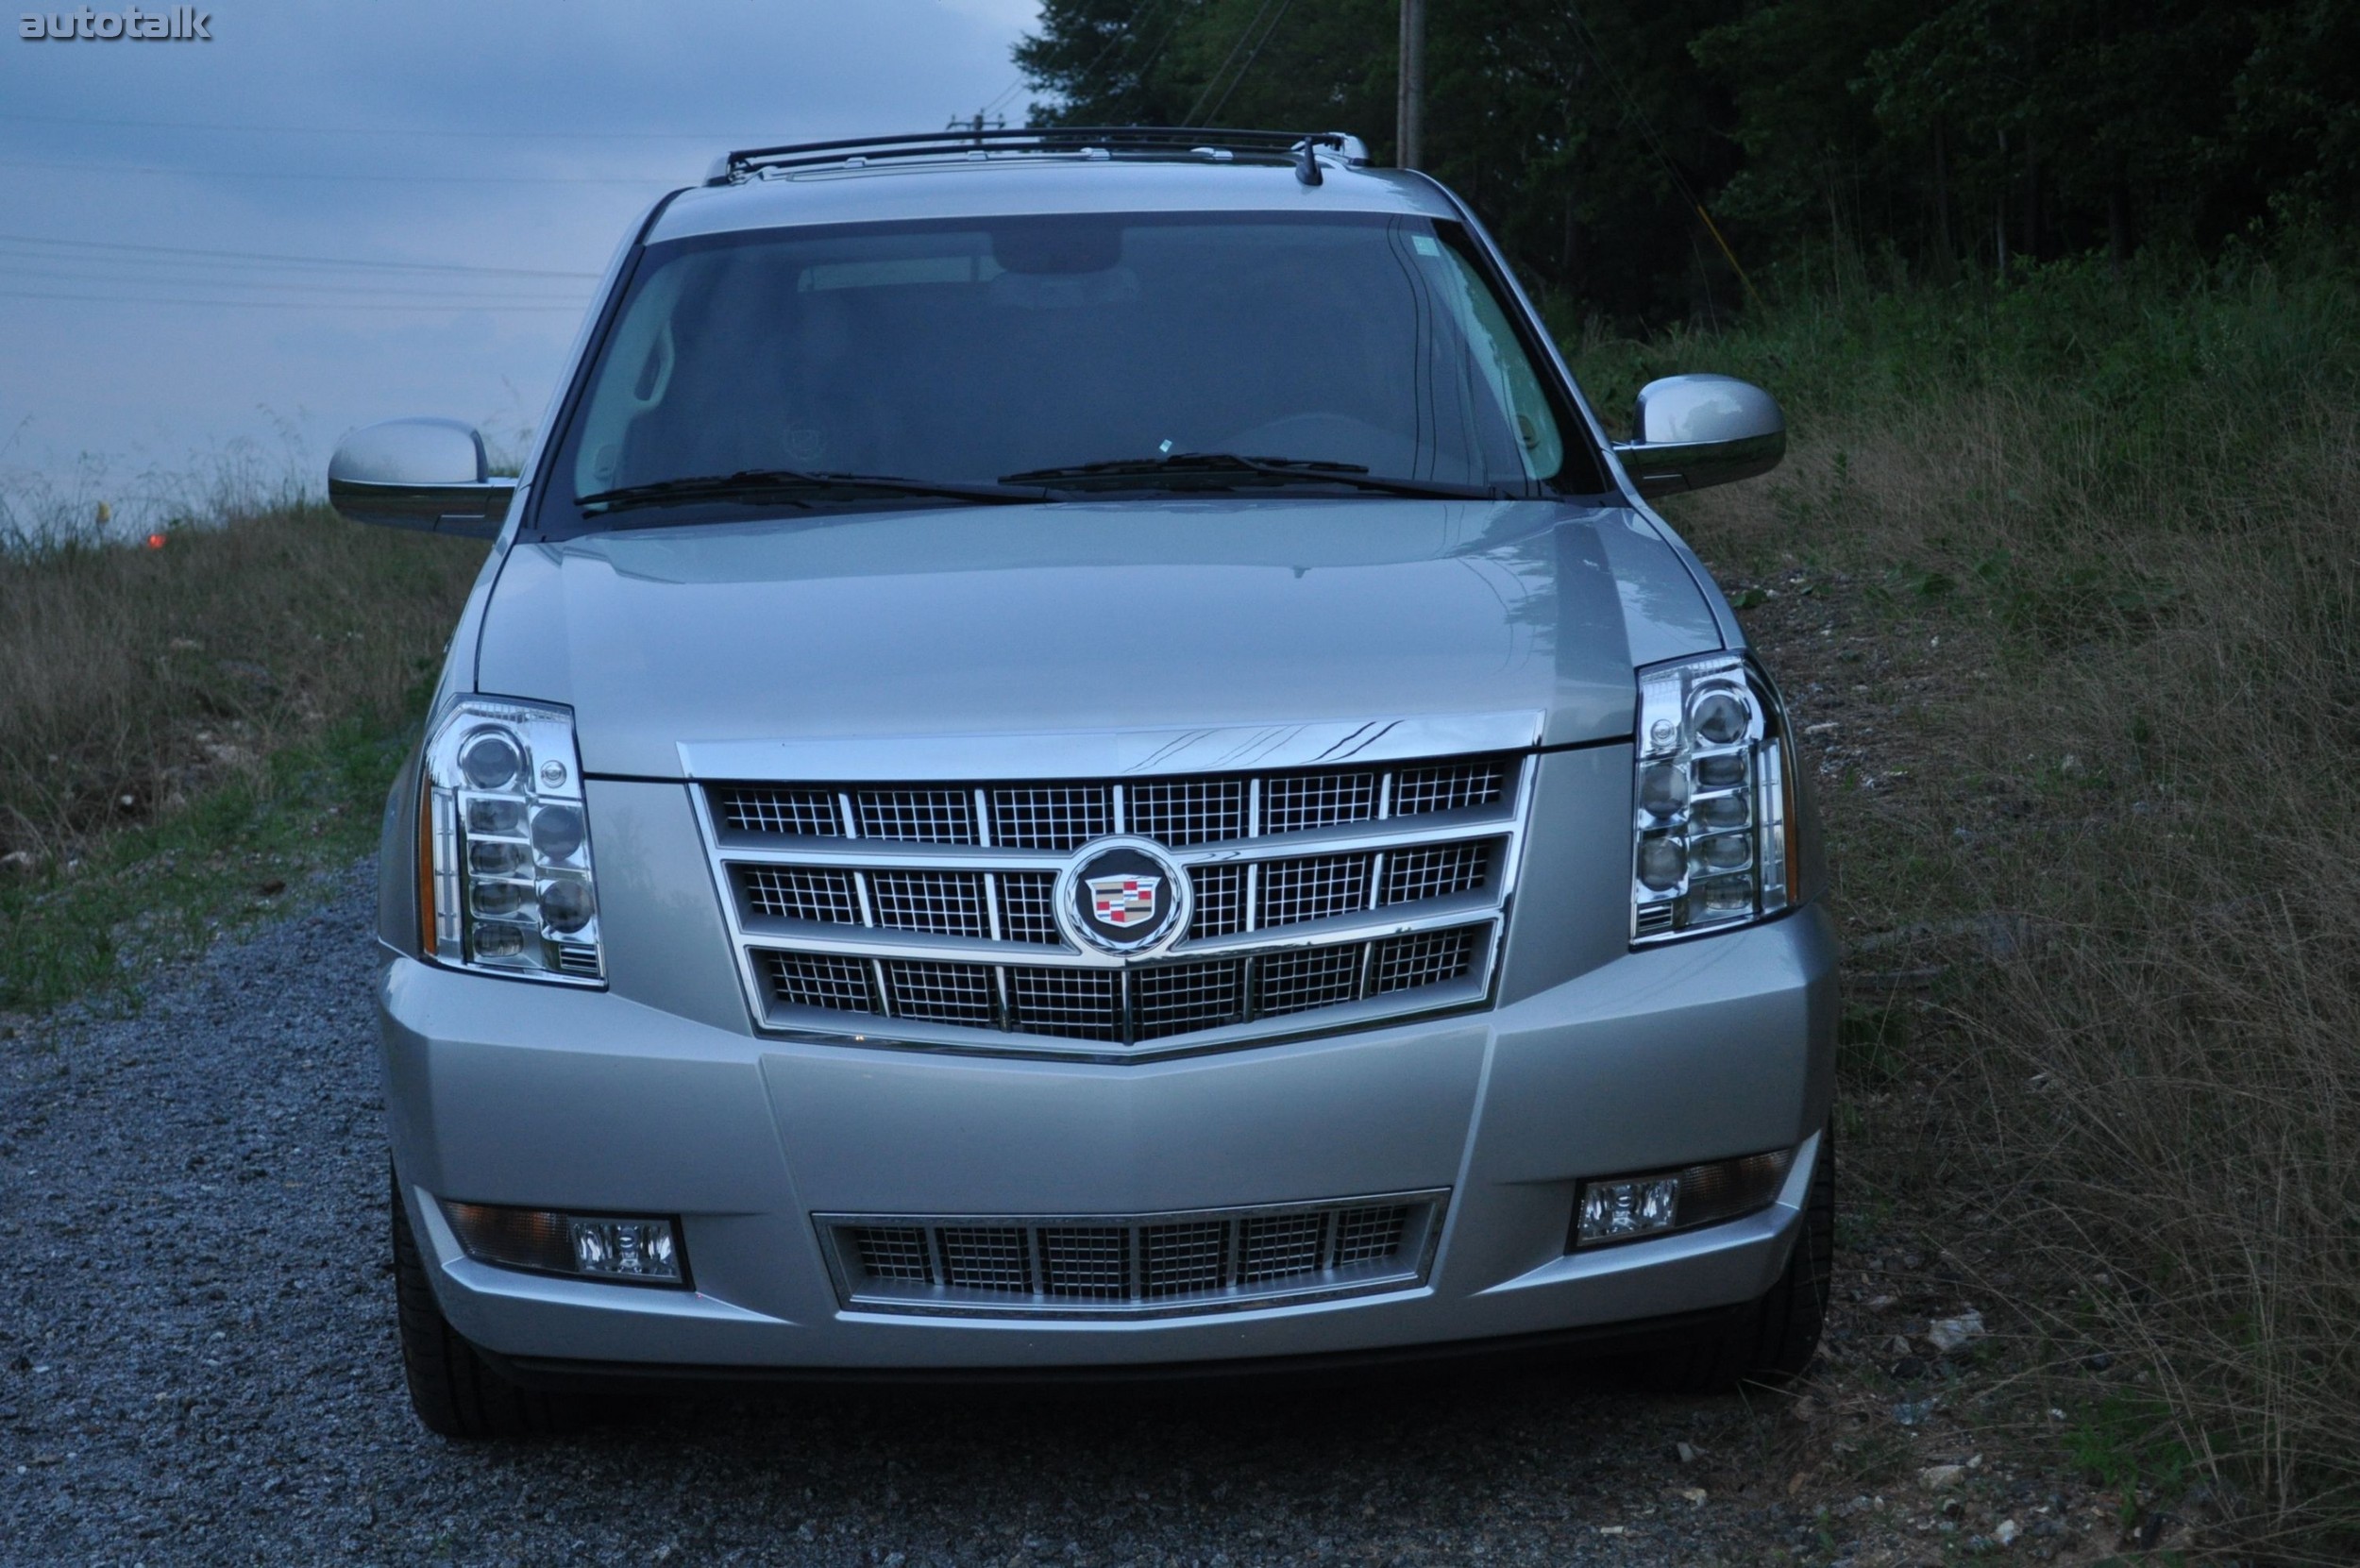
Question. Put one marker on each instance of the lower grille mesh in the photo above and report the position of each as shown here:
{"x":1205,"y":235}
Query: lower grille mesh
{"x":822,"y":980}
{"x":1140,"y":1263}
{"x":1152,"y":1003}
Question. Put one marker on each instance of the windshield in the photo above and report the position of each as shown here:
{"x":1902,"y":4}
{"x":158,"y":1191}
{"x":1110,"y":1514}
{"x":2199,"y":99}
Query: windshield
{"x":1149,"y":352}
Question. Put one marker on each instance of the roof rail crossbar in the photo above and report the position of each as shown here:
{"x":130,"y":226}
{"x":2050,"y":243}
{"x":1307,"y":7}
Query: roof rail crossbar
{"x":1179,"y":143}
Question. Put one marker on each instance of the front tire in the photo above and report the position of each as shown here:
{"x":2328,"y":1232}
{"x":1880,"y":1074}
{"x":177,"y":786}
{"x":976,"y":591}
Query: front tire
{"x":1772,"y":1338}
{"x":455,"y":1392}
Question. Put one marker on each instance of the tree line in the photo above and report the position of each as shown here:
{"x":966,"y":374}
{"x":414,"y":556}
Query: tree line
{"x":1636,"y":157}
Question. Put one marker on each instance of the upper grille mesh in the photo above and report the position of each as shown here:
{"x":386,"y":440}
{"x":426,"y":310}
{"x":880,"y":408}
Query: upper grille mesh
{"x":1050,"y":817}
{"x":767,"y":808}
{"x":1318,"y":800}
{"x":1449,"y":786}
{"x":916,"y":816}
{"x":1060,"y":816}
{"x":1188,"y":811}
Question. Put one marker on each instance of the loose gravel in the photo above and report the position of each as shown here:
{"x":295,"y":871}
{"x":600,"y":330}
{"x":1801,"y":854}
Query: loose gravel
{"x":197,"y":1365}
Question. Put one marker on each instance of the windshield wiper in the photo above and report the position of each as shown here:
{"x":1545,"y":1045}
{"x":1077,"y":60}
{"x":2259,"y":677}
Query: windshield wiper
{"x":1283,"y":470}
{"x":798,"y":485}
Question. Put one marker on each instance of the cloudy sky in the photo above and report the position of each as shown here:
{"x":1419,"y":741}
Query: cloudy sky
{"x":333,"y":213}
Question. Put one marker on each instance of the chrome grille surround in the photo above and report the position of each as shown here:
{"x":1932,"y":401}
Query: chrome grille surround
{"x":1132,"y":1265}
{"x":922,"y":914}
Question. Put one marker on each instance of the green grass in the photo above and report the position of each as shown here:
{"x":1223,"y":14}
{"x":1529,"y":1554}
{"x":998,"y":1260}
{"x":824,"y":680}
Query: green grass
{"x":185,"y":728}
{"x":240,"y":852}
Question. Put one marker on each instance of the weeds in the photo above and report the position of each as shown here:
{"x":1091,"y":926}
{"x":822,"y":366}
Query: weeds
{"x":223,"y":687}
{"x":2113,"y":526}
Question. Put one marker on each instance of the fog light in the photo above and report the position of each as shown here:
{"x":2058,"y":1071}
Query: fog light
{"x":1626,"y":1209}
{"x":629,"y":1251}
{"x":1619,"y":1209}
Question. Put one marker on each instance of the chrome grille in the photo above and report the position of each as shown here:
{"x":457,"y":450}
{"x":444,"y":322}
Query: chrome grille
{"x":1296,"y":803}
{"x":916,"y":816}
{"x":1086,"y":1262}
{"x":821,"y":980}
{"x":1078,"y":1003}
{"x":986,"y":1257}
{"x":912,"y":902}
{"x":1449,"y":786}
{"x":1362,"y":1234}
{"x":1427,"y":958}
{"x":1165,"y":999}
{"x":798,"y":893}
{"x":1317,"y":889}
{"x":949,"y":904}
{"x":1436,"y":872}
{"x":1181,"y":813}
{"x":1182,"y":1260}
{"x":1025,"y":912}
{"x":1280,"y":1245}
{"x":1188,"y":811}
{"x":1130,"y":1265}
{"x":1050,"y":817}
{"x":894,"y":1252}
{"x":1174,"y":999}
{"x":940,"y":993}
{"x":1296,"y":982}
{"x":1220,"y":900}
{"x":765,"y":808}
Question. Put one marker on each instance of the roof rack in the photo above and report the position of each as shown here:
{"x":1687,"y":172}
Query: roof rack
{"x":1163,"y":143}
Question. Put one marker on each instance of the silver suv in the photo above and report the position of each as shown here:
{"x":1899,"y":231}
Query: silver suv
{"x":1075,"y":756}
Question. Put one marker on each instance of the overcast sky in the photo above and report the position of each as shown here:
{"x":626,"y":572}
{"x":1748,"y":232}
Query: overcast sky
{"x":520,"y":135}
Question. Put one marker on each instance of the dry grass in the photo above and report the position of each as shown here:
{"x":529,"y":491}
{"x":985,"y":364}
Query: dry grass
{"x":2138,"y":744}
{"x":134,"y":679}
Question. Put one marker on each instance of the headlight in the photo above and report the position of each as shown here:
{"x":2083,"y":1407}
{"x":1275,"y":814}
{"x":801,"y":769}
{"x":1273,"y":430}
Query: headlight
{"x":1711,"y":802}
{"x":505,"y":880}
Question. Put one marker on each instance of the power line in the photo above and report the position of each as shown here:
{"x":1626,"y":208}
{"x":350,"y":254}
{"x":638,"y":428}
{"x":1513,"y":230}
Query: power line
{"x":1655,"y":145}
{"x":374,"y":178}
{"x":281,"y":304}
{"x":1221,"y":70}
{"x":1247,"y":66}
{"x":1122,"y":37}
{"x":287,"y":259}
{"x":1148,"y":62}
{"x":281,"y":285}
{"x":403,"y":131}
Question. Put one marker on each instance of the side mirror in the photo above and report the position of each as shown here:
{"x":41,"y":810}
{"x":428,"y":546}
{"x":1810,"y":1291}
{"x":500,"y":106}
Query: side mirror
{"x":429,"y":474}
{"x":1689,"y":431}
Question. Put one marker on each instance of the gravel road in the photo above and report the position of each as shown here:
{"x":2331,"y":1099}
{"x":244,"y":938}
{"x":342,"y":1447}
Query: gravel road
{"x":197,"y":1365}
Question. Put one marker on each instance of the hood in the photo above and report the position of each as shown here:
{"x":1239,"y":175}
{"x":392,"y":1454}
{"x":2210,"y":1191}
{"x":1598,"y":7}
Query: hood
{"x":1134,"y":617}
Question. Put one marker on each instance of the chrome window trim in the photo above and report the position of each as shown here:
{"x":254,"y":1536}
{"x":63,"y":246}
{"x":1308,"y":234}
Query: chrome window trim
{"x":1484,"y":911}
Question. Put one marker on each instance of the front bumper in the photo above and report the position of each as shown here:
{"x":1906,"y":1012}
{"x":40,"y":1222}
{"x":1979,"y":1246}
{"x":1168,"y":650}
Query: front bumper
{"x":508,"y":1092}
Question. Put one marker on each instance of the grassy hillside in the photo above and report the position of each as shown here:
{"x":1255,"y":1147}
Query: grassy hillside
{"x":185,"y":728}
{"x":2064,"y":580}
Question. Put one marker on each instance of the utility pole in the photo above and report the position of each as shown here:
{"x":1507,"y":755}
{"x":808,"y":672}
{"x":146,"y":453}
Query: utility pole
{"x":1409,"y":101}
{"x":978,"y":124}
